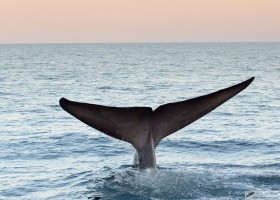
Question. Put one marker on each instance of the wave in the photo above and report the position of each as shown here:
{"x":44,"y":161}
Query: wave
{"x":126,"y":182}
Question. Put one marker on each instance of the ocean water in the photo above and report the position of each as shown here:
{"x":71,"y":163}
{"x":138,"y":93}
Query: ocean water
{"x":231,"y":153}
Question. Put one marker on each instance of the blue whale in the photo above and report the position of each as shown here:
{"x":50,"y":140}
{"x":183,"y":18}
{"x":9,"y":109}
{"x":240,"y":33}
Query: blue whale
{"x":144,"y":127}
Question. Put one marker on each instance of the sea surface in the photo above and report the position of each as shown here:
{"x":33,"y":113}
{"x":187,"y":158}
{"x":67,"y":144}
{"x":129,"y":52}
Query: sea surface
{"x":231,"y":153}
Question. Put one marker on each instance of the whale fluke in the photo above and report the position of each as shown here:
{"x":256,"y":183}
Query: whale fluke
{"x":143,"y":127}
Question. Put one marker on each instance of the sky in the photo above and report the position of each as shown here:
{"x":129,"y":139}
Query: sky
{"x":118,"y":21}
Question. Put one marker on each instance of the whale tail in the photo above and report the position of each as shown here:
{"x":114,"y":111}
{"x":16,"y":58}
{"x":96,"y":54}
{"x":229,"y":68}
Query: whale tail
{"x":141,"y":125}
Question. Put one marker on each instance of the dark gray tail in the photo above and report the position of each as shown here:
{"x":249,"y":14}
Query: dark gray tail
{"x":137,"y":125}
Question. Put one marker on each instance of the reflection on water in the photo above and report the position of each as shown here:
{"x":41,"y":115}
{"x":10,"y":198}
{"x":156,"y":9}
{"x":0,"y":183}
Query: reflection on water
{"x":48,"y":154}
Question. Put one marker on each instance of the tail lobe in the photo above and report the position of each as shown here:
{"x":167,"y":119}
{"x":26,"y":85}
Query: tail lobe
{"x":172,"y":117}
{"x":128,"y":124}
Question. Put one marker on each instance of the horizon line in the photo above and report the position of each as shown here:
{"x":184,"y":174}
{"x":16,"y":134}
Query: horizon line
{"x":194,"y":42}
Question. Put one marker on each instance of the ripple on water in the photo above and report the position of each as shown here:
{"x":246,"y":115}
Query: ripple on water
{"x":48,"y":154}
{"x":175,"y":184}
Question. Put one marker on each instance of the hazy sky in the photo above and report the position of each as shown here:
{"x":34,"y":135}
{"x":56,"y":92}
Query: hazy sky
{"x":44,"y":21}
